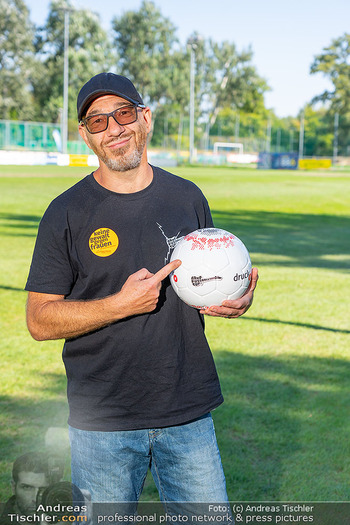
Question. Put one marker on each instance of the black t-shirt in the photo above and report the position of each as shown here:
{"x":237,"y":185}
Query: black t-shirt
{"x":146,"y":371}
{"x":9,"y":508}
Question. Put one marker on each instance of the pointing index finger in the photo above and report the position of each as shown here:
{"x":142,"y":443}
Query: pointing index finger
{"x":166,"y":270}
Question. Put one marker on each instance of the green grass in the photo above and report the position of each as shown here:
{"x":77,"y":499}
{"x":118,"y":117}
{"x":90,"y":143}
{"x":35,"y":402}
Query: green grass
{"x":283,"y":430}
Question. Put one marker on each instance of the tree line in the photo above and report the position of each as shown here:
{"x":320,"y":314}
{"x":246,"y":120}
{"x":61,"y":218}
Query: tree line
{"x":143,"y":45}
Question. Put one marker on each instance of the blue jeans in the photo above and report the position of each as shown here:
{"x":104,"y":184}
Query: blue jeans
{"x":184,"y":460}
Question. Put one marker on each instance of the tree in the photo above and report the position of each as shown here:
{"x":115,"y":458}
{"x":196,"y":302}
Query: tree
{"x":234,"y":80}
{"x":16,"y":60}
{"x":334,"y":63}
{"x":149,"y":54}
{"x":318,"y":131}
{"x":146,"y":49}
{"x":90,"y":52}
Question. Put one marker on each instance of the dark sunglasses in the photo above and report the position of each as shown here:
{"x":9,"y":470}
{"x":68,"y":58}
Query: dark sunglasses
{"x":122,"y":116}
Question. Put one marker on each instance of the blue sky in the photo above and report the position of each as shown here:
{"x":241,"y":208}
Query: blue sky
{"x":284,"y":36}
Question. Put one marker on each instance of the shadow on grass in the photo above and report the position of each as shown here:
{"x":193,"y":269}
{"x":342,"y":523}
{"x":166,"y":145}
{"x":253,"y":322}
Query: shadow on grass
{"x":11,"y":288}
{"x":17,"y":224}
{"x":301,"y":239}
{"x":281,"y":414}
{"x":282,"y":419}
{"x":293,"y":323}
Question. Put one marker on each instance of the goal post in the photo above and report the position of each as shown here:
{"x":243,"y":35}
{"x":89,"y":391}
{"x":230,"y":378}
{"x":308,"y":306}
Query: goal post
{"x":230,"y":145}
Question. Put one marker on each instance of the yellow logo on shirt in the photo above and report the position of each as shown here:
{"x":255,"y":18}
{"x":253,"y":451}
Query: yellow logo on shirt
{"x":103,"y":242}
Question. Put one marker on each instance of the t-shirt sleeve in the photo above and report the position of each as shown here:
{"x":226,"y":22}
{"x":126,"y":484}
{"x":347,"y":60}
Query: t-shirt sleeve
{"x":203,"y":210}
{"x":207,"y":214}
{"x":51,"y":270}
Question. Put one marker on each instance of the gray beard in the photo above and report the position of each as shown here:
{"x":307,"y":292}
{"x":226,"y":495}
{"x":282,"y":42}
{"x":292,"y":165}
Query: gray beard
{"x":122,"y":164}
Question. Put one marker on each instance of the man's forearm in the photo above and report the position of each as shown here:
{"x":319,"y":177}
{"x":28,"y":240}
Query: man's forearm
{"x":54,"y":317}
{"x":65,"y":319}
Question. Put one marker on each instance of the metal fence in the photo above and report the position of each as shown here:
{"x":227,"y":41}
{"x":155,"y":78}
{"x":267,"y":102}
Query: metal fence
{"x":36,"y":136}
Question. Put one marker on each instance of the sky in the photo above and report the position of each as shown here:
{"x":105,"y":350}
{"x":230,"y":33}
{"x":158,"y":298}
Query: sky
{"x":284,"y":36}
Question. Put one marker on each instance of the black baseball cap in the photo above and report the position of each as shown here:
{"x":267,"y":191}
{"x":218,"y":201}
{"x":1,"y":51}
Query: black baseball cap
{"x":106,"y":84}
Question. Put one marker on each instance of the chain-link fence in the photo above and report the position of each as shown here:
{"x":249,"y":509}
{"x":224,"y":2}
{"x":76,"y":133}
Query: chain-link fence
{"x":171,"y":134}
{"x":36,"y":136}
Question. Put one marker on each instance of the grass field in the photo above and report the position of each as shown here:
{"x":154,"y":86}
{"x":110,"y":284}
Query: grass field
{"x":283,"y":430}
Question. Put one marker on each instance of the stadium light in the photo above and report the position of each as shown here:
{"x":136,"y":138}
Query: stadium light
{"x":192,"y":42}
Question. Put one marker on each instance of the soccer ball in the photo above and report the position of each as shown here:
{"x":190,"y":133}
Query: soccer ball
{"x":215,"y":266}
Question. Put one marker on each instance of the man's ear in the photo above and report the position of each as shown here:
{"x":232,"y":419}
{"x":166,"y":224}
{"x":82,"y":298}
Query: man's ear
{"x":147,"y":115}
{"x":82,"y":133}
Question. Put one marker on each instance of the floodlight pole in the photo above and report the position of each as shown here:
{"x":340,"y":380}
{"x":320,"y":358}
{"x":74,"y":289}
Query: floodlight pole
{"x":335,"y":141}
{"x":301,"y":136}
{"x":65,"y":82}
{"x":278,"y":140}
{"x":237,"y":127}
{"x":192,"y":105}
{"x":291,"y":140}
{"x":192,"y":43}
{"x":268,"y":135}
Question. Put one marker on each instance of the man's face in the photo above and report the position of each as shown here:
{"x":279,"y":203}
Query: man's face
{"x":120,"y":148}
{"x":26,"y":490}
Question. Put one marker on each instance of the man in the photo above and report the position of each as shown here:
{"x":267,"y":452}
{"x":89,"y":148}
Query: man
{"x":29,"y":477}
{"x":141,"y":377}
